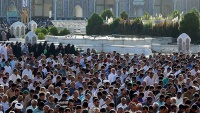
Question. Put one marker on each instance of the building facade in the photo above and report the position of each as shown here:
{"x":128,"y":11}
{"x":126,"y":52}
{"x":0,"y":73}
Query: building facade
{"x":68,"y":9}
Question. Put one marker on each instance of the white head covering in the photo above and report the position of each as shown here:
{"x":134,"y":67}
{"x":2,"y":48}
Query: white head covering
{"x":18,"y":106}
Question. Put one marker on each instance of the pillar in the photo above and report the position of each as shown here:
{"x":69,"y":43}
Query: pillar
{"x":129,"y":8}
{"x":94,"y":6}
{"x":117,"y":8}
{"x":30,"y":9}
{"x":68,"y":8}
{"x":186,"y":5}
{"x":55,"y":3}
{"x":139,"y":11}
{"x":1,"y":8}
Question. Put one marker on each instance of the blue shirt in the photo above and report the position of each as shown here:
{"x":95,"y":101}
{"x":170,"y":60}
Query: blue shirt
{"x":139,"y":79}
{"x":12,"y":64}
{"x":38,"y":111}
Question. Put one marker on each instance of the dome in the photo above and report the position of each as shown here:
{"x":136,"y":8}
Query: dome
{"x":17,"y":24}
{"x":32,"y":22}
{"x":183,"y":36}
{"x":31,"y":34}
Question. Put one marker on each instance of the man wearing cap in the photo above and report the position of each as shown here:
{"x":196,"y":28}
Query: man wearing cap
{"x":18,"y":108}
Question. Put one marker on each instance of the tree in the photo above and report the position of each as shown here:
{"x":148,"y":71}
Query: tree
{"x":53,"y":31}
{"x":175,"y":14}
{"x":137,"y":26}
{"x":146,"y":16}
{"x":64,"y":32}
{"x":124,"y":15}
{"x":44,"y":31}
{"x":94,"y":25}
{"x":114,"y":27}
{"x":190,"y":24}
{"x":41,"y":36}
{"x":106,"y":13}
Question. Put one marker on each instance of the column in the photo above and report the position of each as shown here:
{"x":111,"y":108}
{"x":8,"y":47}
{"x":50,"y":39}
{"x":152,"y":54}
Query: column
{"x":30,"y":9}
{"x":94,"y":6}
{"x":117,"y":8}
{"x":68,"y":8}
{"x":174,"y":5}
{"x":55,"y":3}
{"x":129,"y":9}
{"x":186,"y":5}
{"x":1,"y":8}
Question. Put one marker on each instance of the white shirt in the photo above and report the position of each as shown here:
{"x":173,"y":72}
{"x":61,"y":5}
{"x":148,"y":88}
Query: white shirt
{"x":149,"y":81}
{"x":30,"y":107}
{"x":121,"y":105}
{"x":44,"y":70}
{"x":8,"y":69}
{"x":179,"y":101}
{"x":193,"y":72}
{"x":28,"y":72}
{"x":13,"y":77}
{"x":111,"y":77}
{"x":57,"y":96}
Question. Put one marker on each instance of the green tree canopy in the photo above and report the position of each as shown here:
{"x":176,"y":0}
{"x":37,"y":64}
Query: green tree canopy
{"x":146,"y":16}
{"x":175,"y":14}
{"x":53,"y":31}
{"x":190,"y":22}
{"x":64,"y":32}
{"x":137,"y":26}
{"x":106,"y":13}
{"x":124,"y":15}
{"x":94,"y":24}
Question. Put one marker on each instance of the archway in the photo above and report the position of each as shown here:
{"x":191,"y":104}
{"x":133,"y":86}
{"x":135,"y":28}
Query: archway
{"x":78,"y":11}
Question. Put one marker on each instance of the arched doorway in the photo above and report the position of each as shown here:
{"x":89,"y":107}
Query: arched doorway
{"x":78,"y":11}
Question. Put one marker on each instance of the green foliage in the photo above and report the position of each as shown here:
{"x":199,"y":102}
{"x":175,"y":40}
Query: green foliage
{"x":23,"y":36}
{"x":105,"y":29}
{"x":44,"y":30}
{"x":190,"y":22}
{"x":146,"y":16}
{"x":37,"y":31}
{"x":106,"y":13}
{"x":41,"y":36}
{"x":114,"y":27}
{"x":137,"y":26}
{"x":175,"y":14}
{"x":53,"y":31}
{"x":124,"y":15}
{"x":94,"y":25}
{"x":64,"y":32}
{"x":147,"y":28}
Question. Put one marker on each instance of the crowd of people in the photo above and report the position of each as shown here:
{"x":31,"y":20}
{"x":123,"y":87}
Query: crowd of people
{"x":43,"y":78}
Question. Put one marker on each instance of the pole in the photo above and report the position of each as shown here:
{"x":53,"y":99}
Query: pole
{"x":94,"y":6}
{"x":68,"y":8}
{"x":117,"y":8}
{"x":186,"y":5}
{"x":30,"y":12}
{"x":1,"y":8}
{"x":55,"y":1}
{"x":129,"y":9}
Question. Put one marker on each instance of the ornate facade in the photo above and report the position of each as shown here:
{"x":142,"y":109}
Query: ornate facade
{"x":85,"y":8}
